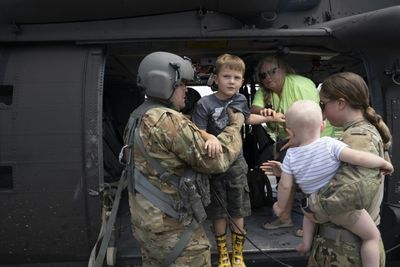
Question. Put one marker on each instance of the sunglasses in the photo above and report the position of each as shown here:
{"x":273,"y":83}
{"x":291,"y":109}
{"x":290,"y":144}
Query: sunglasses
{"x":269,"y":73}
{"x":322,"y":104}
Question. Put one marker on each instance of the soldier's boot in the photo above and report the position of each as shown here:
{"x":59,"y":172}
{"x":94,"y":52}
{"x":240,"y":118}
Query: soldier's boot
{"x":223,"y":253}
{"x":237,"y":250}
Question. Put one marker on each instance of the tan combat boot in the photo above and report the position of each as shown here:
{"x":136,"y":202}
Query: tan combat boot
{"x":237,"y":250}
{"x":223,"y":253}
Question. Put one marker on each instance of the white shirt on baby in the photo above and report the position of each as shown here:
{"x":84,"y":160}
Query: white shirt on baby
{"x":313,"y":165}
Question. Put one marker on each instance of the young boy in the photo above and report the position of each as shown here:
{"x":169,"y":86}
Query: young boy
{"x":312,"y":161}
{"x":228,"y":190}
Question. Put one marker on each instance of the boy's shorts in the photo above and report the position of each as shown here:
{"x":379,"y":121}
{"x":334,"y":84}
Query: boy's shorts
{"x":232,"y":190}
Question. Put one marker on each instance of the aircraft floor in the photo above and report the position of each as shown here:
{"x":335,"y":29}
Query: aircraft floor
{"x":277,"y":242}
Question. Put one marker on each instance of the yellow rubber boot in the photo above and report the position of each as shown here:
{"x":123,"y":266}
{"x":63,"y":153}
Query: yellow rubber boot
{"x":237,"y":250}
{"x":223,"y":253}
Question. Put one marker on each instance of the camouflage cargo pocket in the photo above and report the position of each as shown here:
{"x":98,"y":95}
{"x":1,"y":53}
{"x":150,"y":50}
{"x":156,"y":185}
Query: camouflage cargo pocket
{"x":352,"y":196}
{"x":370,"y":188}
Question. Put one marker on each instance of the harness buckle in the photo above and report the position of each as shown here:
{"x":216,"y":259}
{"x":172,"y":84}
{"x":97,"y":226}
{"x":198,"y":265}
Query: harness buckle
{"x":122,"y":153}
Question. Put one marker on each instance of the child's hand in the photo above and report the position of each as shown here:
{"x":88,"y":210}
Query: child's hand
{"x":272,"y":167}
{"x":213,"y":146}
{"x":387,"y":169}
{"x":288,"y":144}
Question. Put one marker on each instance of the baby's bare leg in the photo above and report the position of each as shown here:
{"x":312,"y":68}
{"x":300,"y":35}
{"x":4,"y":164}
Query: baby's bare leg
{"x":308,"y":234}
{"x":366,"y":229}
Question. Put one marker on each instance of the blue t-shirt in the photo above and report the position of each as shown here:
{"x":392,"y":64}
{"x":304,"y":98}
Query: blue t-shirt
{"x":210,"y":112}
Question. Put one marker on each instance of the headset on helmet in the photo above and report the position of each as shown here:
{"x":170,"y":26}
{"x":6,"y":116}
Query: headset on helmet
{"x":161,"y":72}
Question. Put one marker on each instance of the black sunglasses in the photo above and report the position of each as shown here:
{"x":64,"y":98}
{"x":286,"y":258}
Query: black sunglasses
{"x":269,"y":73}
{"x":322,"y":104}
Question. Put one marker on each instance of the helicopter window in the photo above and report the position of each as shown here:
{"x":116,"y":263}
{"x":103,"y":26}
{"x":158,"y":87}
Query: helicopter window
{"x":6,"y":180}
{"x":6,"y":94}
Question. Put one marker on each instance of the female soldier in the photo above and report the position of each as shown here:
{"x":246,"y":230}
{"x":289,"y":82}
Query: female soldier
{"x":345,"y":102}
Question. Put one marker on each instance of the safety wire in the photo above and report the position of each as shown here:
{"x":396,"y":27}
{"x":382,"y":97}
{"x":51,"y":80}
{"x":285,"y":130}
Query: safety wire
{"x":251,"y":242}
{"x":393,"y":248}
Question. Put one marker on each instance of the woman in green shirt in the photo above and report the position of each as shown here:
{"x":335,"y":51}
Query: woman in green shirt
{"x":280,"y":87}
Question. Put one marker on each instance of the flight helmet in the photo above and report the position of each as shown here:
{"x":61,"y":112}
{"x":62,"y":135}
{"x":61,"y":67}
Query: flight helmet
{"x":161,"y":72}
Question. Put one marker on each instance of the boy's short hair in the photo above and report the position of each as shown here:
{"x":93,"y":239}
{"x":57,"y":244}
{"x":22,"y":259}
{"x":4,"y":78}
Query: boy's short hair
{"x":231,"y":62}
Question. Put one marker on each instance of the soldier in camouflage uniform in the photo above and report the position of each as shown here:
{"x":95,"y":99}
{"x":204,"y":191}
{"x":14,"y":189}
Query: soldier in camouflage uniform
{"x":176,"y":144}
{"x":345,"y":102}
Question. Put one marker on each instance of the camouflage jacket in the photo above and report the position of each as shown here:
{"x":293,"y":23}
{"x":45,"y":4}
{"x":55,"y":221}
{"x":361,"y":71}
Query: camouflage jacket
{"x":355,"y":187}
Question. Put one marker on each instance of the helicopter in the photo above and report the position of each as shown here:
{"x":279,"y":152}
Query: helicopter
{"x":68,"y":85}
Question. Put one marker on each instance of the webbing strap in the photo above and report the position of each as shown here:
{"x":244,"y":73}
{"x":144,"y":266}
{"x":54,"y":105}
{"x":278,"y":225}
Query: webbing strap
{"x":164,"y":175}
{"x":134,"y":121}
{"x":154,"y":195}
{"x":184,"y":239}
{"x":106,"y":228}
{"x":155,"y":164}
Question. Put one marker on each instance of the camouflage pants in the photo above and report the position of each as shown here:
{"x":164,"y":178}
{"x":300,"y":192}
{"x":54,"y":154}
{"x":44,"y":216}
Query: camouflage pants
{"x":330,"y":253}
{"x":158,"y":234}
{"x":343,"y":194}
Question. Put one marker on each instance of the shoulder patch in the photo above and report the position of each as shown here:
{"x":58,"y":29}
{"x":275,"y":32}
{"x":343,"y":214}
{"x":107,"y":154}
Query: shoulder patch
{"x":362,"y":132}
{"x":358,"y":131}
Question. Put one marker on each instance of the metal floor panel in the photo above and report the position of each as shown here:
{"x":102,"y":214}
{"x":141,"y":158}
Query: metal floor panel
{"x":276,"y":243}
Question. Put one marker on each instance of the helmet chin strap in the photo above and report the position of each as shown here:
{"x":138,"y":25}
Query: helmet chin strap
{"x":169,"y":103}
{"x":176,"y":66}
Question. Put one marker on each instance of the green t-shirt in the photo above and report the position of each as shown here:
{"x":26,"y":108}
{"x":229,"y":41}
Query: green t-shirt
{"x":295,"y":88}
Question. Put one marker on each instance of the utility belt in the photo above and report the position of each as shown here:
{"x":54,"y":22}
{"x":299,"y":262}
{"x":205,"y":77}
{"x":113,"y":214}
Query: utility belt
{"x":337,"y":234}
